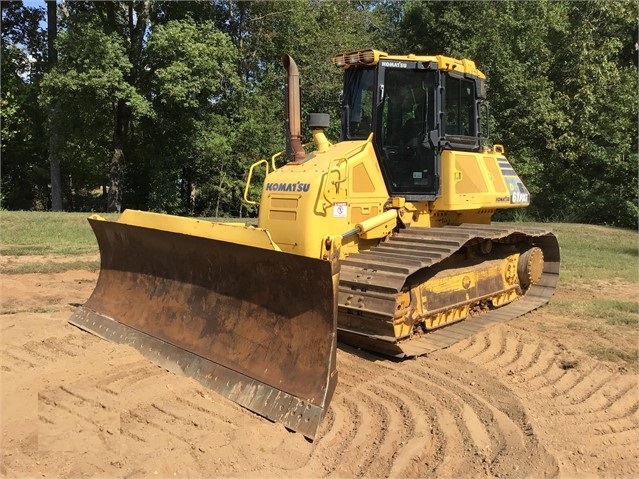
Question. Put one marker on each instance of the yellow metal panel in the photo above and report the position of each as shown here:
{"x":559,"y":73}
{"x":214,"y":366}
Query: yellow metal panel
{"x":474,"y":185}
{"x":472,"y":180}
{"x":288,"y":203}
{"x":449,"y":294}
{"x":282,"y":215}
{"x":239,"y":234}
{"x":495,"y":175}
{"x":362,"y":182}
{"x":372,"y":57}
{"x":361,"y":213}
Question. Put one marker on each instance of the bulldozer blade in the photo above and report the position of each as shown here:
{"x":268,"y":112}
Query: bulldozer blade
{"x":256,"y":325}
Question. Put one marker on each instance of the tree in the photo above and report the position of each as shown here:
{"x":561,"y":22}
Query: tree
{"x":193,"y":84}
{"x":24,"y":183}
{"x":166,"y":104}
{"x":593,"y":173}
{"x":94,"y":76}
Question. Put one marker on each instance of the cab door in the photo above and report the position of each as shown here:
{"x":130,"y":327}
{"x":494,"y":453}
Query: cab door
{"x":408,"y":129}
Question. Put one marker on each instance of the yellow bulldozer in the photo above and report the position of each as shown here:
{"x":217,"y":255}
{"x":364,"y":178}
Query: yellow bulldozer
{"x":383,"y":240}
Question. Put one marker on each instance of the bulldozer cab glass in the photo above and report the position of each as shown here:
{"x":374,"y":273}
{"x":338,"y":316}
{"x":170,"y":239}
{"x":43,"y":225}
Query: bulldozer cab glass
{"x":413,"y":110}
{"x":461,"y":112}
{"x":406,"y":113}
{"x":359,"y":88}
{"x":398,"y":104}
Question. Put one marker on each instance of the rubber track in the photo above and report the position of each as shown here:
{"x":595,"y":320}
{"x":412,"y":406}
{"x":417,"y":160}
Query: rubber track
{"x":375,"y":277}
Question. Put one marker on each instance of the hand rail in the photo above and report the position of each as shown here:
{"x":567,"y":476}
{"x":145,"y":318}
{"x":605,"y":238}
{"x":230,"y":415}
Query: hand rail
{"x":276,"y":155}
{"x":250,"y":175}
{"x":330,"y":170}
{"x":272,"y":165}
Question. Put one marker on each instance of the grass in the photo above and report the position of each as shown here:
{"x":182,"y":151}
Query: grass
{"x":29,"y":233}
{"x":594,"y":260}
{"x":589,"y":253}
{"x":39,"y":233}
{"x":613,"y":354}
{"x":597,"y":253}
{"x":49,"y":268}
{"x":24,"y":233}
{"x":611,"y":311}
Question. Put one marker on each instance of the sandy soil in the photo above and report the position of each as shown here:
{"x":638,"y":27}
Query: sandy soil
{"x":518,"y":400}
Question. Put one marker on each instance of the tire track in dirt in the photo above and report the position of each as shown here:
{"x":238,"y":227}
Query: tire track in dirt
{"x":335,"y":445}
{"x":91,"y":396}
{"x":115,"y":383}
{"x":432,"y":445}
{"x":446,"y":430}
{"x":35,"y":354}
{"x":64,"y":410}
{"x":121,"y":405}
{"x":493,"y":417}
{"x":476,"y":345}
{"x":200,"y":430}
{"x":496,"y":431}
{"x":176,"y":425}
{"x":597,"y":407}
{"x":395,"y":431}
{"x":594,"y":396}
{"x":357,"y":441}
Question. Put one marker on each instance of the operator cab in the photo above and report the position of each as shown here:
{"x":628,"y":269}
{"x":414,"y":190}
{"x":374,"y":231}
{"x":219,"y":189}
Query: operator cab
{"x":415,"y":106}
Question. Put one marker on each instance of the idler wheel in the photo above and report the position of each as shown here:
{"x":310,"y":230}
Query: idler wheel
{"x":530,"y":266}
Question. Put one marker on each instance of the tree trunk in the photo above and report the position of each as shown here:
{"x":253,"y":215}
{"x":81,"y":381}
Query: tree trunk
{"x":116,"y":167}
{"x":54,"y":159}
{"x":54,"y":135}
{"x":219,"y":193}
{"x":138,"y":20}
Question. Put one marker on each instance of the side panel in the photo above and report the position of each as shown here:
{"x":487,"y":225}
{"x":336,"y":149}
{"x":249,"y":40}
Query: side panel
{"x":474,"y":181}
{"x":326,"y":195}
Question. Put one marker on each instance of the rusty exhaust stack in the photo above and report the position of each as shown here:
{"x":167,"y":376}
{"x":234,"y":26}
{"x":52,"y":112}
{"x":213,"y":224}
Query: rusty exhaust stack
{"x":293,"y":113}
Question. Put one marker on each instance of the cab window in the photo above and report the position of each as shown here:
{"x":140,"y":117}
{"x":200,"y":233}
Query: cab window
{"x":460,"y":107}
{"x":359,"y":84}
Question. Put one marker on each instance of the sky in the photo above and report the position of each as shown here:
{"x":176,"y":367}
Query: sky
{"x":33,"y":3}
{"x":37,"y":3}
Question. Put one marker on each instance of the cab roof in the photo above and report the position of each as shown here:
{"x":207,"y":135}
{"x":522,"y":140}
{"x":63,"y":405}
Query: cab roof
{"x":371,"y":57}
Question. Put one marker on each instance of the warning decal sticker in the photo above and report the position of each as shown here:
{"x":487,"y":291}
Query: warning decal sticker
{"x":340,"y":210}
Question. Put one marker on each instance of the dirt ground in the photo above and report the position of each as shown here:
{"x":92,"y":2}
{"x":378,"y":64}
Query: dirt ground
{"x":518,"y":400}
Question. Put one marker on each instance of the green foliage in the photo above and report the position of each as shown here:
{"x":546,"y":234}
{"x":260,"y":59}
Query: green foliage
{"x":192,"y":64}
{"x":92,"y":68}
{"x":91,"y":77}
{"x":596,"y":150}
{"x":10,"y":117}
{"x":193,"y":84}
{"x":22,"y":62}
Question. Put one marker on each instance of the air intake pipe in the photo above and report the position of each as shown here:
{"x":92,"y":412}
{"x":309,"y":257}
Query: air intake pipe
{"x":293,"y":110}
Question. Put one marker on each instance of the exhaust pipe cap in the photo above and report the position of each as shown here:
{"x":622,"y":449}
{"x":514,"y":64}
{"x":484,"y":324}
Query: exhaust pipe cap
{"x":317,"y":121}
